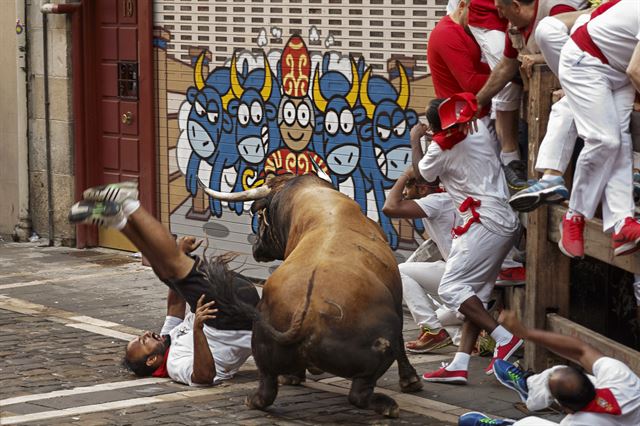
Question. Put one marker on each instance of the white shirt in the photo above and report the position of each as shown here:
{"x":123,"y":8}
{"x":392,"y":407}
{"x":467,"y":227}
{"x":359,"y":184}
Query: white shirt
{"x":472,"y":169}
{"x":616,"y":32}
{"x":441,"y":217}
{"x":230,"y":349}
{"x":625,"y":386}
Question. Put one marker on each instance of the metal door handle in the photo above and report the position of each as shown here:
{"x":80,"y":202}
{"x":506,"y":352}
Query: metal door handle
{"x":127,"y":118}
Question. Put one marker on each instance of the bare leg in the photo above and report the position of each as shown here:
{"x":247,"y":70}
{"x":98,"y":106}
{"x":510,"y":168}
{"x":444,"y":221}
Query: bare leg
{"x":474,"y":311}
{"x":470,"y":333}
{"x":507,"y":129}
{"x":157,"y":244}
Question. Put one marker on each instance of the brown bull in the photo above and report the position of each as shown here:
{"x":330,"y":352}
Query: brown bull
{"x":335,"y":303}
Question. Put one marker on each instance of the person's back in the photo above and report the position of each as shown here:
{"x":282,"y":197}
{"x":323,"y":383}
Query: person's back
{"x":472,"y":169}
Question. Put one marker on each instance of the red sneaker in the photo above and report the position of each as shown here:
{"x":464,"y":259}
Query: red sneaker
{"x":572,"y":236}
{"x":504,"y":352}
{"x":626,"y":241}
{"x":456,"y":377}
{"x":512,"y":276}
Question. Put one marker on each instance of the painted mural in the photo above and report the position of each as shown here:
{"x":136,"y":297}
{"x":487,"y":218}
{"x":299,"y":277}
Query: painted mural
{"x":273,"y":111}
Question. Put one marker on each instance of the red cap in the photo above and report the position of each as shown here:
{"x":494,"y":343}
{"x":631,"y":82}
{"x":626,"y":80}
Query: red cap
{"x":459,"y":108}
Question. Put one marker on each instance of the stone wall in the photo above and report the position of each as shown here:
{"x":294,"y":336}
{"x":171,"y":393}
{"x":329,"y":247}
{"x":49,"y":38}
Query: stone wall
{"x":61,"y":121}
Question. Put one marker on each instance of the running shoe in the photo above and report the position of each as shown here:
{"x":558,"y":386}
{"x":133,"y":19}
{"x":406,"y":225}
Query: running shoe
{"x":571,"y":241}
{"x":512,"y":377}
{"x":504,"y":352}
{"x":429,"y":341}
{"x":116,"y":192}
{"x":512,"y":277}
{"x":475,"y":418}
{"x":543,"y":191}
{"x":626,"y":241}
{"x":516,"y":174}
{"x":442,"y":375}
{"x":96,"y":213}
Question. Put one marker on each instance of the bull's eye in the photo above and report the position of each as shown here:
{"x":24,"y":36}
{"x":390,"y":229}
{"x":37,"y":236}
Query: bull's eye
{"x":400,"y":128}
{"x":289,"y":112}
{"x":303,"y":115}
{"x":256,"y":112}
{"x":213,"y":117}
{"x":331,"y":122}
{"x":383,"y":132}
{"x":243,"y":114}
{"x":200,"y":109}
{"x":346,"y":121}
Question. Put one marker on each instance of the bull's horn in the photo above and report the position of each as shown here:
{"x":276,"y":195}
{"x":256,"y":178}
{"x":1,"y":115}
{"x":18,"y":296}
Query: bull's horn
{"x":364,"y":94}
{"x":352,"y":96}
{"x":198,"y":76}
{"x":248,"y":195}
{"x":319,"y":172}
{"x":236,"y":87}
{"x":318,"y":99}
{"x":267,"y":86}
{"x":403,"y":97}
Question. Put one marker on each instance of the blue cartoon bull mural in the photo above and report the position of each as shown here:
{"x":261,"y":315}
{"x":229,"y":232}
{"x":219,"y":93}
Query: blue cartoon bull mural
{"x":311,"y":111}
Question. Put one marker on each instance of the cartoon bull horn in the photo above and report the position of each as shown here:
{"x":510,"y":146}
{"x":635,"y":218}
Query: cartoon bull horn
{"x":198,"y":75}
{"x":318,"y":99}
{"x":236,"y":87}
{"x":267,"y":86}
{"x":364,"y":94}
{"x":248,"y":195}
{"x":352,"y":96}
{"x":403,"y":97}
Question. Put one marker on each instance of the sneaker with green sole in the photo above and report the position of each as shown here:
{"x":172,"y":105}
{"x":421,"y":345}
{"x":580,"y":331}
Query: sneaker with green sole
{"x":100,"y":213}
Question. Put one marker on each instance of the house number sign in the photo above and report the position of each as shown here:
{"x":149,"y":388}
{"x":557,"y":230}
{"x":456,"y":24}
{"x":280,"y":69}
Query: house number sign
{"x":129,"y":8}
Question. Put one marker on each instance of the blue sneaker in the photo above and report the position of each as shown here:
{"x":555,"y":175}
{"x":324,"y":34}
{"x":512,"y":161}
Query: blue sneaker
{"x":512,"y":377}
{"x":478,"y":419}
{"x":542,"y":191}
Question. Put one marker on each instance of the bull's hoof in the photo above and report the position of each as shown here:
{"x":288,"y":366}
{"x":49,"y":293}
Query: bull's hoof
{"x":254,"y":402}
{"x":385,"y":405}
{"x":413,"y":384}
{"x":290,"y":380}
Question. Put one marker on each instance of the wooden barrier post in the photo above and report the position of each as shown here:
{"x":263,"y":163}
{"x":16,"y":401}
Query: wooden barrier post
{"x":548,"y":278}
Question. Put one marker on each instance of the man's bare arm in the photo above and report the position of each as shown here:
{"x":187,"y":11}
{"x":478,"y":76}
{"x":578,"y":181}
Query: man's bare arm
{"x":396,"y":206}
{"x":566,"y":346}
{"x":204,"y":367}
{"x":502,"y":74}
{"x":176,"y":305}
{"x":633,"y":70}
{"x":417,"y":132}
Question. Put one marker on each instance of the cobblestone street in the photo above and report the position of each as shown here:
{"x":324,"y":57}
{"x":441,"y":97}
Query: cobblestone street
{"x":66,"y":315}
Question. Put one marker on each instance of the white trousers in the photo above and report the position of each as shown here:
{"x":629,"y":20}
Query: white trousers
{"x":420,"y":282}
{"x":601,"y":99}
{"x":558,"y":143}
{"x":491,"y":43}
{"x":473,"y":265}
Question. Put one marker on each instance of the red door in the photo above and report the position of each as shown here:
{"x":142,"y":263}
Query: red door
{"x":120,"y":142}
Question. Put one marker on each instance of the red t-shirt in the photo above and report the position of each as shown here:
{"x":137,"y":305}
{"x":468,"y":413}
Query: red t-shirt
{"x":483,"y":14}
{"x":512,"y":52}
{"x":454,"y":59}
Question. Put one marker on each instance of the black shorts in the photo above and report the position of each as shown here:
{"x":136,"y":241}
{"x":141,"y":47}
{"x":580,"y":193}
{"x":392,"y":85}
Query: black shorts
{"x":229,"y":289}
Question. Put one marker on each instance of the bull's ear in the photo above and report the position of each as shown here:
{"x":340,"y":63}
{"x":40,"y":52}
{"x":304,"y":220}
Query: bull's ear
{"x":366,"y":131}
{"x":259,"y":205}
{"x":232,"y":107}
{"x":271,"y":111}
{"x":359,"y":114}
{"x":227,"y":125}
{"x":412,"y":118}
{"x":191,"y":94}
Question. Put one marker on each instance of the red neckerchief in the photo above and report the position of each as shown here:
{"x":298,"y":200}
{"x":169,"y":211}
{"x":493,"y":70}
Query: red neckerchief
{"x":604,"y":403}
{"x":162,"y":370}
{"x":449,"y":138}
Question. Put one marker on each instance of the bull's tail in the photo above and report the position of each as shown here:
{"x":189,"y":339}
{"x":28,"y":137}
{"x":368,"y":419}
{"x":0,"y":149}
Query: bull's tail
{"x":219,"y":273}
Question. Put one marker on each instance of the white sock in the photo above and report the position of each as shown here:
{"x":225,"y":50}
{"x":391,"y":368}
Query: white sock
{"x":501,"y":335}
{"x":460,"y":362}
{"x":548,"y":177}
{"x":508,"y":157}
{"x":130,"y":206}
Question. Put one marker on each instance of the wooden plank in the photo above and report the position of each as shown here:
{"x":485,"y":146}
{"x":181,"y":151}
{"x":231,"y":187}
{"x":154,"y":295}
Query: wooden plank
{"x":559,"y":324}
{"x":597,"y":244}
{"x":547,"y":268}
